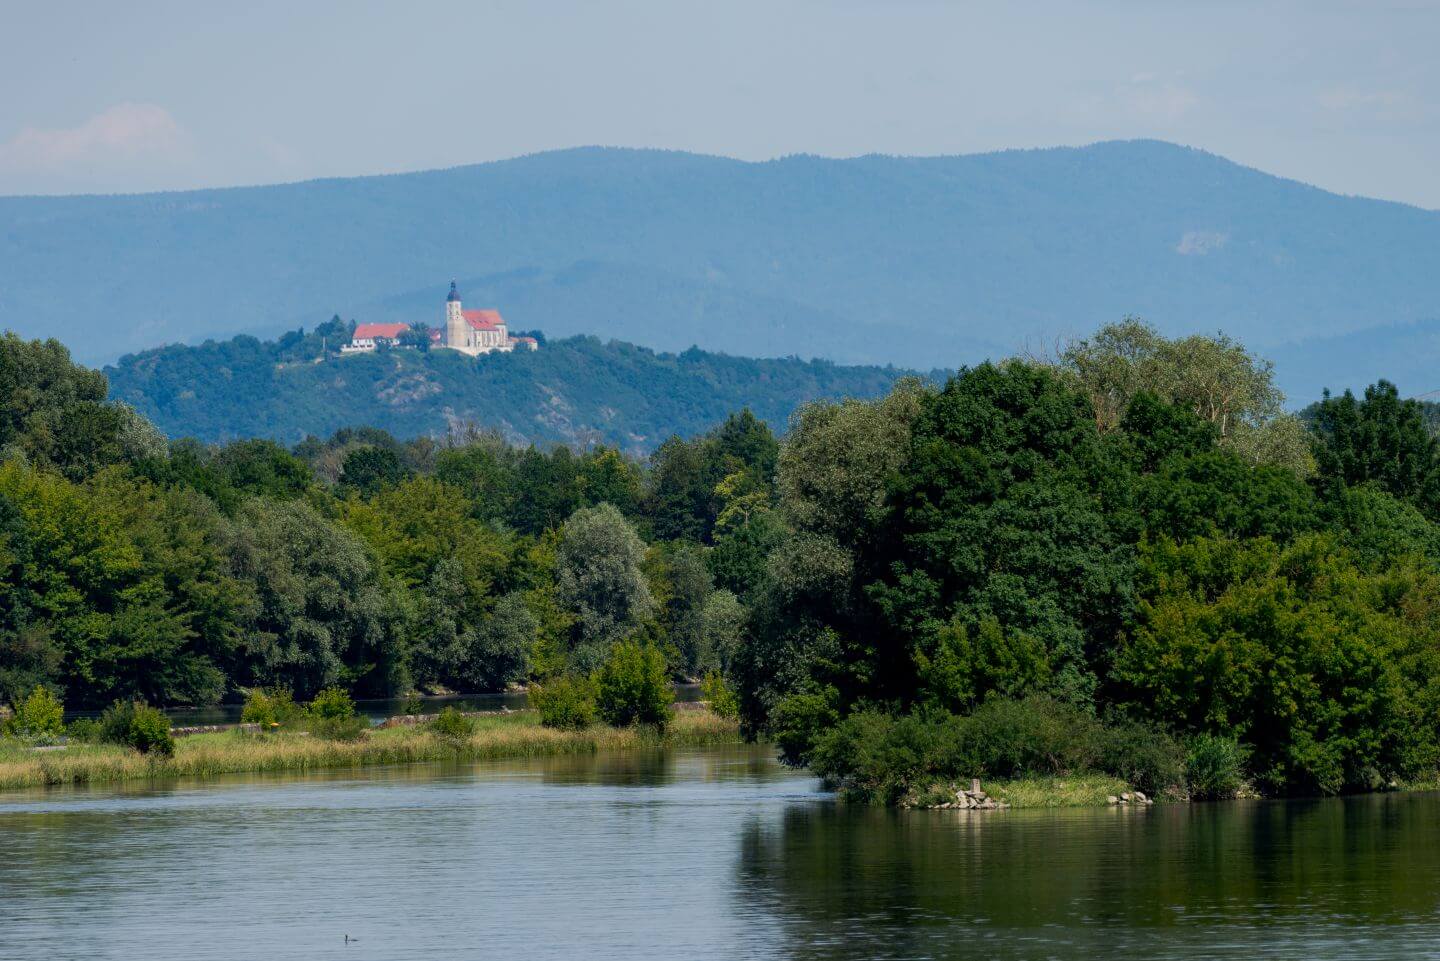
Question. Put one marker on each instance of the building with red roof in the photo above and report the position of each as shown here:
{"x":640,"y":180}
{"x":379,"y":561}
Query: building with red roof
{"x":472,"y":332}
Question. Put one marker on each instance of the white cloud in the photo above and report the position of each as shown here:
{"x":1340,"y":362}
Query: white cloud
{"x":126,"y":134}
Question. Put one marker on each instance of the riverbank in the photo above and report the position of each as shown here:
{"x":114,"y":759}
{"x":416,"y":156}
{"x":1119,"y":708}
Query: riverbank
{"x":515,"y":735}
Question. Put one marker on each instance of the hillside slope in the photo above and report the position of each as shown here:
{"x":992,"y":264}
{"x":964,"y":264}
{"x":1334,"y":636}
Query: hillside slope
{"x":577,"y":390}
{"x":917,"y":261}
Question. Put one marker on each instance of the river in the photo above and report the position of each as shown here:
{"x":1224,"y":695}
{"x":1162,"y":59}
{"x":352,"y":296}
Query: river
{"x":693,"y":854}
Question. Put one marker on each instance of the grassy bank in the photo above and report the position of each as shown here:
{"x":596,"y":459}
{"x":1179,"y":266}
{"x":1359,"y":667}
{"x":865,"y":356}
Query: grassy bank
{"x":507,"y":736}
{"x":1085,"y":790}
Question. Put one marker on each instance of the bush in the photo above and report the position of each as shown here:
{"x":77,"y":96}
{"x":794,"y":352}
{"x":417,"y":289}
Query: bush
{"x":136,"y":724}
{"x":633,"y":686}
{"x":350,"y":728}
{"x":720,"y":696}
{"x":452,"y":725}
{"x":1142,"y":755}
{"x":1215,"y":767}
{"x":40,"y":716}
{"x":270,"y":709}
{"x":880,"y":757}
{"x":86,"y":730}
{"x":332,"y":704}
{"x":799,"y":719}
{"x":150,"y":731}
{"x":566,"y":702}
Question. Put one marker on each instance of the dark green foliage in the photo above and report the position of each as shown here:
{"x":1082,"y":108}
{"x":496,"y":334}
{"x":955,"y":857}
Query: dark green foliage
{"x":138,"y":725}
{"x":566,"y":702}
{"x":1380,"y":439}
{"x":877,"y":756}
{"x":452,"y":725}
{"x":633,"y":686}
{"x":1325,"y":672}
{"x":368,"y":469}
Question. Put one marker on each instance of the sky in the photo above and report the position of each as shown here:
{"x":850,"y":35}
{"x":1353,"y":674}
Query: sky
{"x":148,"y":95}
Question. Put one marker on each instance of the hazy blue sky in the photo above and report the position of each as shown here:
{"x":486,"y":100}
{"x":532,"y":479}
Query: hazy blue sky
{"x":141,"y":95}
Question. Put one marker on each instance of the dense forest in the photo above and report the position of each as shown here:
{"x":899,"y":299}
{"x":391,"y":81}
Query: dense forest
{"x":577,"y":391}
{"x":1123,"y":558}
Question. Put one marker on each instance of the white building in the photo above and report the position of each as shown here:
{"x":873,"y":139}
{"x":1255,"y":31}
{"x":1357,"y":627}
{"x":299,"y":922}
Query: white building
{"x":471,"y":332}
{"x":478,"y":331}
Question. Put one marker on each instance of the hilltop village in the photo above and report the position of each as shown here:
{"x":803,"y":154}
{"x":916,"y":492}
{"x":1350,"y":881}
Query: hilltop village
{"x":471,"y":332}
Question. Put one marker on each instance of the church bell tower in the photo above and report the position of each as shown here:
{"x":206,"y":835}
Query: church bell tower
{"x":454,"y":320}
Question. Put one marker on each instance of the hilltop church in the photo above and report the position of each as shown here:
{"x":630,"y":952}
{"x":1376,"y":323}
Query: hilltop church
{"x":471,"y":332}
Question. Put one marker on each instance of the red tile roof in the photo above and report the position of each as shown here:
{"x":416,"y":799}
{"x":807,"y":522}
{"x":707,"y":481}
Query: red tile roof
{"x":483,"y":319}
{"x":373,"y":331}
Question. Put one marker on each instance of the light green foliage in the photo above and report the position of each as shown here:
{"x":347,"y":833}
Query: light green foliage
{"x":1215,"y":377}
{"x":39,"y":715}
{"x":838,"y":458}
{"x":566,"y":702}
{"x":633,"y":686}
{"x":721,"y":697}
{"x":270,"y":708}
{"x":1214,"y":767}
{"x":333,"y":703}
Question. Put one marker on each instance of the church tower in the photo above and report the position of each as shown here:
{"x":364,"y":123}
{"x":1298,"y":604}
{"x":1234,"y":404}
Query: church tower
{"x":454,"y":320}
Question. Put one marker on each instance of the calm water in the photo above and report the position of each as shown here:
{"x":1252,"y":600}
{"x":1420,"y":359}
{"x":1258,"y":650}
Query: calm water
{"x":694,"y":854}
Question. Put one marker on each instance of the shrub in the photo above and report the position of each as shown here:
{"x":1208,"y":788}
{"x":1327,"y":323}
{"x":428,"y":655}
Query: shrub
{"x":633,"y":686}
{"x":271,"y":708}
{"x":332,"y":704}
{"x":350,"y":728}
{"x":1215,"y":767}
{"x":39,"y":716}
{"x":566,"y":702}
{"x":720,"y":695}
{"x":799,"y":719}
{"x":136,"y":724}
{"x":150,"y":731}
{"x":1142,"y":755}
{"x":452,"y":725}
{"x":83,"y":729}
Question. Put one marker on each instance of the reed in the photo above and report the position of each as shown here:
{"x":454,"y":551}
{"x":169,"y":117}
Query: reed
{"x":516,"y":735}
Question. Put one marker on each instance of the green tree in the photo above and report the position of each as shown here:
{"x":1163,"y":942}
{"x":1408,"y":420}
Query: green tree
{"x":1379,"y":439}
{"x":322,"y":616}
{"x":599,"y":580}
{"x":633,"y":687}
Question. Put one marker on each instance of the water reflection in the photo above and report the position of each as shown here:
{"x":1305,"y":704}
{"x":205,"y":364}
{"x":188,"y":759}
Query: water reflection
{"x":1336,"y":878}
{"x":697,"y":854}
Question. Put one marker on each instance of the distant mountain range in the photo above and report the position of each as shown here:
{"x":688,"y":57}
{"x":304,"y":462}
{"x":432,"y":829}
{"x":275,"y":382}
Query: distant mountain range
{"x":921,"y":262}
{"x":577,"y":390}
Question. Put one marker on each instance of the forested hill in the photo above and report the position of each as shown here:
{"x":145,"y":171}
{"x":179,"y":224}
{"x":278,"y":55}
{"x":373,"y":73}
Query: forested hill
{"x":924,"y":262}
{"x":577,"y":390}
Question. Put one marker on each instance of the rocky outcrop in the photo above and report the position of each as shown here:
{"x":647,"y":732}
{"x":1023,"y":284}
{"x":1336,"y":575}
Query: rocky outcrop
{"x":1129,"y":797}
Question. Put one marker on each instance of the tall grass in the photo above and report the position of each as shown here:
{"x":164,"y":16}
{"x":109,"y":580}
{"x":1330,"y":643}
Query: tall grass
{"x":511,"y":736}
